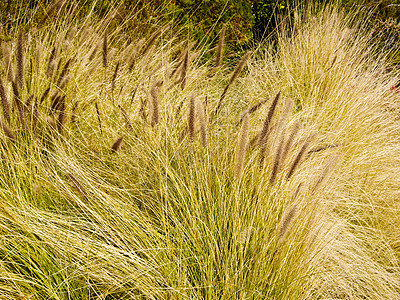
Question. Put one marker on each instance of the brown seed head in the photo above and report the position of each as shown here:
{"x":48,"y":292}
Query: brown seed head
{"x":105,"y":50}
{"x":191,"y":119}
{"x":218,"y":54}
{"x":155,"y":116}
{"x":235,"y":74}
{"x":5,"y":103}
{"x":203,"y":123}
{"x":267,"y":123}
{"x":242,"y":146}
{"x":7,"y":130}
{"x":20,"y":60}
{"x":299,"y":156}
{"x":286,"y":222}
{"x":116,"y":144}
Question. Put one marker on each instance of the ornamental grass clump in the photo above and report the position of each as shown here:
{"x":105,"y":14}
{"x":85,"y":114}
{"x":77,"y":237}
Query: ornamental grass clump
{"x":119,"y":181}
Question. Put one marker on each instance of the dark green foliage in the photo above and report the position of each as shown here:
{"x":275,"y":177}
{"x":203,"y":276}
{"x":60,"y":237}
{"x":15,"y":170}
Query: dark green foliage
{"x":247,"y":21}
{"x":203,"y":19}
{"x":266,"y":17}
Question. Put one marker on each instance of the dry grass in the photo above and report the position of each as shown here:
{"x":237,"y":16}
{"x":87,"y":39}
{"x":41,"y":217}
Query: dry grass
{"x":162,"y":217}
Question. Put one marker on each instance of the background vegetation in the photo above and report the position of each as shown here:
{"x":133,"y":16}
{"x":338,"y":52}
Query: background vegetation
{"x":248,"y":21}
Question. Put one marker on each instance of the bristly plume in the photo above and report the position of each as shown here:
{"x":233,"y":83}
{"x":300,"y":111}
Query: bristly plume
{"x":176,"y":68}
{"x":184,"y":69}
{"x":235,"y":74}
{"x":19,"y":104}
{"x":299,"y":156}
{"x":277,"y":161}
{"x":20,"y":60}
{"x":98,"y":116}
{"x":289,"y":141}
{"x":8,"y":132}
{"x":134,"y":93}
{"x":191,"y":119}
{"x":51,"y":66}
{"x":142,"y":109}
{"x":28,"y":103}
{"x":30,"y":74}
{"x":61,"y":115}
{"x":286,"y":222}
{"x":306,"y":9}
{"x":251,"y":110}
{"x":203,"y":123}
{"x":64,"y":82}
{"x":114,"y":77}
{"x":7,"y":61}
{"x":126,"y":117}
{"x":154,"y":36}
{"x":44,"y":96}
{"x":55,"y":102}
{"x":328,"y":167}
{"x":78,"y":186}
{"x":155,"y":115}
{"x":237,"y":71}
{"x":35,"y":116}
{"x":288,"y":108}
{"x":179,"y":108}
{"x":220,"y":47}
{"x":242,"y":146}
{"x":296,"y":192}
{"x":266,"y":126}
{"x":105,"y":50}
{"x":73,"y":112}
{"x":116,"y":145}
{"x":151,"y":41}
{"x":39,"y":57}
{"x":5,"y":103}
{"x":94,"y":51}
{"x":281,"y":26}
{"x":64,"y":72}
{"x":322,"y":148}
{"x":54,"y":7}
{"x":134,"y":54}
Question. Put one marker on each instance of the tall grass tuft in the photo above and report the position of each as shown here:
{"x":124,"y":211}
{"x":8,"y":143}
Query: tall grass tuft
{"x":83,"y":216}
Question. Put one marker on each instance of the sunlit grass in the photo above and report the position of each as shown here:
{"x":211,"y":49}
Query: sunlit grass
{"x":138,"y":171}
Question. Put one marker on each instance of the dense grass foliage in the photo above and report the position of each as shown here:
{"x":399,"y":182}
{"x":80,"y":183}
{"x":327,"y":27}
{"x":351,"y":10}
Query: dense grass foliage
{"x":133,"y":168}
